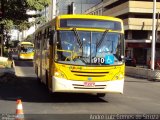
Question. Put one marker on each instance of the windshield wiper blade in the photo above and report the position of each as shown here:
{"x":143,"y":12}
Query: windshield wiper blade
{"x":103,"y":36}
{"x":78,"y":38}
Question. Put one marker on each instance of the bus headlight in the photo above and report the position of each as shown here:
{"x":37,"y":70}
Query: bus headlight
{"x":60,"y":74}
{"x":119,"y":76}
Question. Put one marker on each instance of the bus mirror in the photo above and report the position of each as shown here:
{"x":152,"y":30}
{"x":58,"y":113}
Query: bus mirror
{"x":122,"y":58}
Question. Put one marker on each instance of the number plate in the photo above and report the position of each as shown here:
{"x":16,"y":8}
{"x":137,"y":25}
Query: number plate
{"x":89,"y":84}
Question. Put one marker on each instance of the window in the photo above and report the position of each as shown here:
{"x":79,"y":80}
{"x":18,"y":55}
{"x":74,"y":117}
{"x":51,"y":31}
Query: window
{"x":140,"y":34}
{"x":106,"y":24}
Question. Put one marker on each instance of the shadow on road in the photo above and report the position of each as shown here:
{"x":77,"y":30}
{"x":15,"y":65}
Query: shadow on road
{"x":137,"y":81}
{"x":140,"y":80}
{"x":30,"y":90}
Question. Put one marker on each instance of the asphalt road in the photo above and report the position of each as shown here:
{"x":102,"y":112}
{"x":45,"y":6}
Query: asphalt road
{"x":140,"y":97}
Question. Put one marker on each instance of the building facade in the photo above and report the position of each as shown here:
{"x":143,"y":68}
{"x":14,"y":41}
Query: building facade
{"x":59,"y":7}
{"x":137,"y":18}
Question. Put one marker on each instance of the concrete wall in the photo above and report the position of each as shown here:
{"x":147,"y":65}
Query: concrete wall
{"x":142,"y":73}
{"x":138,"y":24}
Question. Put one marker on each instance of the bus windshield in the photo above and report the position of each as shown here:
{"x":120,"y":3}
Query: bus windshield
{"x":26,"y":49}
{"x":89,"y":48}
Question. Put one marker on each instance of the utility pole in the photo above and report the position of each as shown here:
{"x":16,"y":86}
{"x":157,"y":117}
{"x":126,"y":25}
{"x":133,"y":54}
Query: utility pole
{"x":153,"y":36}
{"x":53,"y":9}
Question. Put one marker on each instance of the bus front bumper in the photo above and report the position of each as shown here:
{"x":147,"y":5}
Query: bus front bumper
{"x":26,"y":58}
{"x":63,"y":85}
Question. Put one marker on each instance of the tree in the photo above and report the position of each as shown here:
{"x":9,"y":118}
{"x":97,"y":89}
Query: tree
{"x":14,"y":13}
{"x":16,"y":10}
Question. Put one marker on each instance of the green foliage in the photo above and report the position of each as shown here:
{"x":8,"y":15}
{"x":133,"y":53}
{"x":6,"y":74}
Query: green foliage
{"x":15,"y":12}
{"x":5,"y":53}
{"x":24,"y":25}
{"x":38,"y":4}
{"x":8,"y":24}
{"x":40,"y":20}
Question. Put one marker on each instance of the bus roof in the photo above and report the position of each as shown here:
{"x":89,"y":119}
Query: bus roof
{"x":25,"y":43}
{"x":81,"y":16}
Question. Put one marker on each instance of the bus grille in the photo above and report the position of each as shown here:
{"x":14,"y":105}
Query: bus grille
{"x":78,"y":86}
{"x":90,"y":74}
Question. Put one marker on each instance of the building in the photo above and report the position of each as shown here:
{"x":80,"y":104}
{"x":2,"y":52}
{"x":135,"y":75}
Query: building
{"x":137,"y":18}
{"x":79,"y":5}
{"x":59,"y":7}
{"x":23,"y":35}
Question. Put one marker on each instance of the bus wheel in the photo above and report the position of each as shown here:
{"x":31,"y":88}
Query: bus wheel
{"x":47,"y":83}
{"x":101,"y":94}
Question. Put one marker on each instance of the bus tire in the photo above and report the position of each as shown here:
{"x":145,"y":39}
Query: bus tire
{"x":47,"y":83}
{"x":101,"y":94}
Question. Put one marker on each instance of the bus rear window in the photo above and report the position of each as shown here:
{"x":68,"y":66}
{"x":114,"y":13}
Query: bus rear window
{"x":86,"y":23}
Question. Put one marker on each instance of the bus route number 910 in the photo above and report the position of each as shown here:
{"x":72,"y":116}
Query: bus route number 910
{"x":98,"y":60}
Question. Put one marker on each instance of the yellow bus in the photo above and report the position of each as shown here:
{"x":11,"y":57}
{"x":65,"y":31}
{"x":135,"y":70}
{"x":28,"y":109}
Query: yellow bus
{"x":25,"y":51}
{"x":81,"y":53}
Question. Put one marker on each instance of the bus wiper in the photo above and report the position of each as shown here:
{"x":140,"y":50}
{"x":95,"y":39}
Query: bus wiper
{"x":78,"y":38}
{"x":103,"y":36}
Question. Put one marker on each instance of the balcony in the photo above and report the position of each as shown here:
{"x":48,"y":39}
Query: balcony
{"x":137,"y":24}
{"x":131,"y":7}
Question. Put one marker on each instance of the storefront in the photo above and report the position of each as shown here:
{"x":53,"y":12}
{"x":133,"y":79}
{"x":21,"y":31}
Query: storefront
{"x":141,"y":52}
